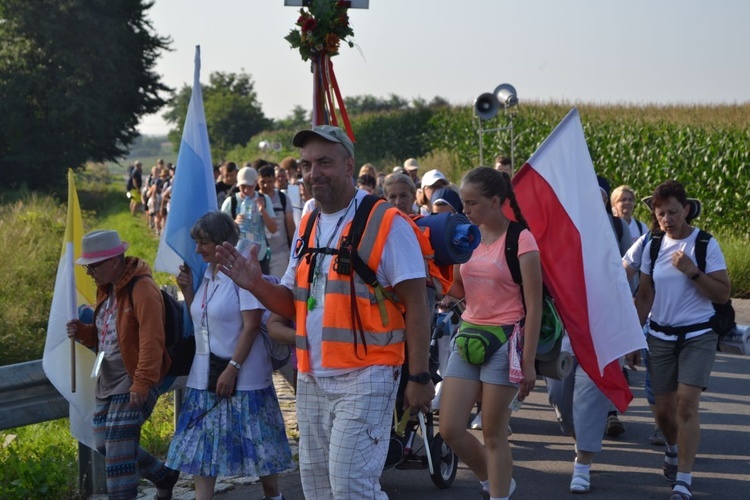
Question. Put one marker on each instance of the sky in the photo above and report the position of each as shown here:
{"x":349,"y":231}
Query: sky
{"x":594,"y":51}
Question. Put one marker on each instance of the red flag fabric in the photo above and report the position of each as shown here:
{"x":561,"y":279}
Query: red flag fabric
{"x":559,"y":196}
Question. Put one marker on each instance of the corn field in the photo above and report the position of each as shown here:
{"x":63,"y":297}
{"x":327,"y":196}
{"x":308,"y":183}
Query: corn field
{"x":707,"y":148}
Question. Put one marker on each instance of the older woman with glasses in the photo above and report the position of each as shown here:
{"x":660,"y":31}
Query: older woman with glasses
{"x":128,"y":336}
{"x":236,"y":428}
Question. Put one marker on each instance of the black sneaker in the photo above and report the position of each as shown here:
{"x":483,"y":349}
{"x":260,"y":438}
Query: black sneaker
{"x":167,"y":484}
{"x":614,"y":426}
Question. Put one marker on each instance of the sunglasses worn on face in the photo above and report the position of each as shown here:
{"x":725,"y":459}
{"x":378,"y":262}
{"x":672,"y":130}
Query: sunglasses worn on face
{"x":93,"y":267}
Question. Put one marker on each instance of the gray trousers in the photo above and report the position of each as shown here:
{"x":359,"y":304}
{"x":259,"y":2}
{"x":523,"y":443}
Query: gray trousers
{"x":581,"y":408}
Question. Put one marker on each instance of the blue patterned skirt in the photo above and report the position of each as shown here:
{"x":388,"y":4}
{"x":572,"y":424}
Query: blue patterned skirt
{"x":241,"y":436}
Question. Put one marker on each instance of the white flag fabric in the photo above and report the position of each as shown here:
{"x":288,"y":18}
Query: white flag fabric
{"x":73,"y":288}
{"x":560,"y":199}
{"x":193,"y":189}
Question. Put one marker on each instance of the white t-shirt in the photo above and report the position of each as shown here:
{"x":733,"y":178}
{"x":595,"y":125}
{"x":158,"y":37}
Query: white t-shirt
{"x":402,"y":260}
{"x":294,"y":196}
{"x":308,"y":207}
{"x":219,"y":296}
{"x":637,"y":229}
{"x":634,"y":255}
{"x":677,"y":301}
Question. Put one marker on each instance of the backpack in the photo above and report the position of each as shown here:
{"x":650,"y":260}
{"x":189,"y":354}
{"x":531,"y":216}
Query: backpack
{"x":347,"y":256}
{"x":552,"y":328}
{"x":129,"y":186}
{"x":618,"y":224}
{"x":722,"y":322}
{"x":181,"y":349}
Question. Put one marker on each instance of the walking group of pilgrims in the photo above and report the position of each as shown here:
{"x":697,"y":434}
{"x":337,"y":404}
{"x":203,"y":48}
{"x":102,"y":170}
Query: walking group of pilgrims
{"x":361,"y":345}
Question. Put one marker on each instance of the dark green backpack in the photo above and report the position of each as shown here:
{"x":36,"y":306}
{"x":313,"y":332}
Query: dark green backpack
{"x":552,"y":328}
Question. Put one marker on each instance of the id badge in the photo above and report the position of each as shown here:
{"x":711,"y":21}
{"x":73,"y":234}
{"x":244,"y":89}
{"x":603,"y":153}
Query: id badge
{"x":318,"y":290}
{"x":97,"y":365}
{"x":201,"y":341}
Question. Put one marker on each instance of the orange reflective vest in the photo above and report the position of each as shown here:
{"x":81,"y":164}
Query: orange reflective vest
{"x":360,"y":327}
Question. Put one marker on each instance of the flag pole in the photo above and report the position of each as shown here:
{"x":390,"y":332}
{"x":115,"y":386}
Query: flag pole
{"x":70,"y":267}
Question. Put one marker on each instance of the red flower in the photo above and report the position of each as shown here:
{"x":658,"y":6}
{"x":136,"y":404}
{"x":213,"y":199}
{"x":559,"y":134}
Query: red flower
{"x":309,"y":24}
{"x":332,"y":44}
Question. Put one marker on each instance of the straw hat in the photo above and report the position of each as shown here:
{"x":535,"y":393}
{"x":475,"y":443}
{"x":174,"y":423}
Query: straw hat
{"x":101,"y":245}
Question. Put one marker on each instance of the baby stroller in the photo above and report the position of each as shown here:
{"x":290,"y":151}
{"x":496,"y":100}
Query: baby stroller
{"x":414,"y":443}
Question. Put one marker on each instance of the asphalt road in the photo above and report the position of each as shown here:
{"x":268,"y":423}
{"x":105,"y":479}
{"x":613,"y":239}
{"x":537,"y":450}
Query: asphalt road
{"x":628,"y":467}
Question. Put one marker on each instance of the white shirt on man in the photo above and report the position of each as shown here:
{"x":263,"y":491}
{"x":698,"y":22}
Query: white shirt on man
{"x":402,"y":260}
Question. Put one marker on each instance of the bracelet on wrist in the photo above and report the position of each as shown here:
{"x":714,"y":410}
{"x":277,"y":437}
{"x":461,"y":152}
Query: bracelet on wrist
{"x":696,"y":276}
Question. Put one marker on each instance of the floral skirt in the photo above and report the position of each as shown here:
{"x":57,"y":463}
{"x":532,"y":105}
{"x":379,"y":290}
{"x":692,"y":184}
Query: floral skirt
{"x":240,"y":436}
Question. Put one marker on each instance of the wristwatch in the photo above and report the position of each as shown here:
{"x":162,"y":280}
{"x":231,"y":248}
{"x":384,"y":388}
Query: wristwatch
{"x":235,"y":364}
{"x":420,"y":378}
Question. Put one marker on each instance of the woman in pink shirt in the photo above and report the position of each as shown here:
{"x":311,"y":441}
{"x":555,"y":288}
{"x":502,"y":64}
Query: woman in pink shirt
{"x":494,"y":304}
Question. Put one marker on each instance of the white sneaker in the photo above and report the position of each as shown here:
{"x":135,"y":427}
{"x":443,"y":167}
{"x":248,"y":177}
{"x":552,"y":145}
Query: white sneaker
{"x":476,"y":424}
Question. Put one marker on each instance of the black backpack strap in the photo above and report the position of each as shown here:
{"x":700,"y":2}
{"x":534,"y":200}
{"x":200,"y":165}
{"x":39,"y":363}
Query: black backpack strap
{"x":701,"y":249}
{"x":511,"y":251}
{"x":234,"y":207}
{"x":131,"y":285}
{"x":354,"y":237}
{"x":617,"y":223}
{"x":654,"y":250}
{"x":282,"y":197}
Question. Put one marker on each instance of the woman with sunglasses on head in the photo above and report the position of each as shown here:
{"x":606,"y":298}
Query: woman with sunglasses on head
{"x":237,"y":430}
{"x":128,"y":336}
{"x":681,"y":340}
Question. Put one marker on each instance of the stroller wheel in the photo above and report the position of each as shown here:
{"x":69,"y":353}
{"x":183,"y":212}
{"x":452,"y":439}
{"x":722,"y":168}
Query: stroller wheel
{"x":444,"y":461}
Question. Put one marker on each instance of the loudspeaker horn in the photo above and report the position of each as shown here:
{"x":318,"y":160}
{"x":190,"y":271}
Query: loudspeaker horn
{"x":486,"y":106}
{"x":506,"y":95}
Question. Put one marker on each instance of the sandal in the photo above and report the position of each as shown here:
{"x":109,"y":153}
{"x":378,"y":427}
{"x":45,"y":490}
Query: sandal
{"x":670,"y":471}
{"x":581,"y":483}
{"x":679,"y":495}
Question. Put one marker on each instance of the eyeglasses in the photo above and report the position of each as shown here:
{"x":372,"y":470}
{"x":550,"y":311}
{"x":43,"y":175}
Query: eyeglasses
{"x":93,"y":267}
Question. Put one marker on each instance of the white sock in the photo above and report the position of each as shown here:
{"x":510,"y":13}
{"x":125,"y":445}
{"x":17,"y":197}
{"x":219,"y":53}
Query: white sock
{"x":278,"y":497}
{"x":499,"y":498}
{"x":485,"y":485}
{"x":685,"y":477}
{"x":581,"y":468}
{"x":671,"y":448}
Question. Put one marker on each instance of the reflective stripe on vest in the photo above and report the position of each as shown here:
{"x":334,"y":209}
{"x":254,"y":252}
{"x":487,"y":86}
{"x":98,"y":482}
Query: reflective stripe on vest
{"x":384,"y":344}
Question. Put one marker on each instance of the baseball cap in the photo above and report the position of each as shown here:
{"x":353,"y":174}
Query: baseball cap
{"x":247,"y":176}
{"x":327,"y":132}
{"x":431,"y":177}
{"x":411,"y":164}
{"x":449,"y":197}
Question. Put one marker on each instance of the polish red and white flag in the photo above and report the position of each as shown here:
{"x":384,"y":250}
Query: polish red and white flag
{"x":560,"y":199}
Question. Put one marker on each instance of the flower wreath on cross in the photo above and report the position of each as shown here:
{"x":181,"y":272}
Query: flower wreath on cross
{"x":320,"y":29}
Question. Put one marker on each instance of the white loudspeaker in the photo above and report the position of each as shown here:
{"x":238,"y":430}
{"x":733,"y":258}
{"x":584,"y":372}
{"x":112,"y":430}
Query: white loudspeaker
{"x":506,"y":95}
{"x":486,"y":106}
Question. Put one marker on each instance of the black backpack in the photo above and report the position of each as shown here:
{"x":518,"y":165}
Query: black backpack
{"x":180,"y":349}
{"x":722,"y":322}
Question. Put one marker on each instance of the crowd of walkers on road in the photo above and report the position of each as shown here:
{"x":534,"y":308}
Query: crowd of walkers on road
{"x":300,"y":283}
